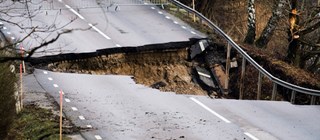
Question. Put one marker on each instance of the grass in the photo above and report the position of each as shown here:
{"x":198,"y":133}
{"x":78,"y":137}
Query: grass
{"x":35,"y":123}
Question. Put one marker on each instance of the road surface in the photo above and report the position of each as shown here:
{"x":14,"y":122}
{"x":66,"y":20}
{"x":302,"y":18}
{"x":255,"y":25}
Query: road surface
{"x":97,"y":28}
{"x":114,"y":107}
{"x":117,"y":108}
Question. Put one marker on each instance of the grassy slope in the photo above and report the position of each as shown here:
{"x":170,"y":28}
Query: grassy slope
{"x":35,"y":123}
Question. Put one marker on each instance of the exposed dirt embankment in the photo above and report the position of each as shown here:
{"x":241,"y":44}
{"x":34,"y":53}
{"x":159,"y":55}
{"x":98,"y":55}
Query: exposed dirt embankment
{"x":165,"y":70}
{"x":282,"y":69}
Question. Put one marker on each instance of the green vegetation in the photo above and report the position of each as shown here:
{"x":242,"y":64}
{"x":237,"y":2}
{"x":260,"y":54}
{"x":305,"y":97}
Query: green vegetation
{"x":35,"y":123}
{"x":7,"y":99}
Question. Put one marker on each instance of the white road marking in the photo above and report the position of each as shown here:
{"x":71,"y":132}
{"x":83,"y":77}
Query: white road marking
{"x":74,"y":108}
{"x":13,"y":38}
{"x":160,"y":12}
{"x":89,"y":126}
{"x":210,"y":110}
{"x":8,"y":33}
{"x":153,"y":8}
{"x":50,"y":79}
{"x":68,"y":6}
{"x":60,"y":0}
{"x":118,"y":45}
{"x":100,"y":32}
{"x":4,"y":28}
{"x":145,"y":3}
{"x":175,"y":22}
{"x":67,"y":100}
{"x":81,"y":118}
{"x":193,"y":32}
{"x":251,"y":136}
{"x":75,"y":12}
{"x":184,"y":27}
{"x":45,"y":72}
{"x":55,"y":85}
{"x":167,"y":17}
{"x":97,"y":137}
{"x":203,"y":74}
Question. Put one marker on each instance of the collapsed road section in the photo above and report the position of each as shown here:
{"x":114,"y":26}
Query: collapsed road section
{"x":168,"y":67}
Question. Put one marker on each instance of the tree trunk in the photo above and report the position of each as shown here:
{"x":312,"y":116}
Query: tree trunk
{"x":251,"y":34}
{"x":271,"y":26}
{"x":294,"y":53}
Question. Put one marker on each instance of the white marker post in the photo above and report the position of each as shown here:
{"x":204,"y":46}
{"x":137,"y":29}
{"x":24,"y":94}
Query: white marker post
{"x":61,"y":101}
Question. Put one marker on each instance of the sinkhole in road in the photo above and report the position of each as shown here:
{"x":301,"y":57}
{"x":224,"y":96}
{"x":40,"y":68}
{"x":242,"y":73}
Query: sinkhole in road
{"x":166,"y":70}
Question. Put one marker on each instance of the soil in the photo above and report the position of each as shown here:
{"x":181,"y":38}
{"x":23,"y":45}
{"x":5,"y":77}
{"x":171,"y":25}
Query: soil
{"x":282,"y":69}
{"x":165,"y":70}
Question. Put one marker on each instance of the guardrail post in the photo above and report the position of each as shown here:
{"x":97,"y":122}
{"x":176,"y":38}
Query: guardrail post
{"x":313,"y":100}
{"x":243,"y":69}
{"x":274,"y":92}
{"x":226,"y":84}
{"x":194,"y":7}
{"x":259,"y":86}
{"x":293,"y":96}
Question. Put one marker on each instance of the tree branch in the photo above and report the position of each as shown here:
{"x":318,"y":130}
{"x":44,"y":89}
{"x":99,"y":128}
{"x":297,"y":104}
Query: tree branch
{"x":309,"y":29}
{"x":6,"y":59}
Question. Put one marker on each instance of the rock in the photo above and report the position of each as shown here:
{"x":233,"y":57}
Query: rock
{"x":158,"y":85}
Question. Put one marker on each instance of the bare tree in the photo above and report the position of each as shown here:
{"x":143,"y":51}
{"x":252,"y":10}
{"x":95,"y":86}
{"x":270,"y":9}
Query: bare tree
{"x":268,"y":31}
{"x":304,"y":35}
{"x":23,"y":15}
{"x":251,"y":33}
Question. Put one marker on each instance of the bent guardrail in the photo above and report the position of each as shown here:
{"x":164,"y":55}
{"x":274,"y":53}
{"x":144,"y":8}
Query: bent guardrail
{"x":276,"y":81}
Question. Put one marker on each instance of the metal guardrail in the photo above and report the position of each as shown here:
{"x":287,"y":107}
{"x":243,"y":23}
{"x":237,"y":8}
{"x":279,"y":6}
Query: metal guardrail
{"x":276,"y":81}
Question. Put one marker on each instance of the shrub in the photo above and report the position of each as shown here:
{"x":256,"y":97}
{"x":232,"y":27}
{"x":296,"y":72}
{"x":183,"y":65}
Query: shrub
{"x":7,"y":99}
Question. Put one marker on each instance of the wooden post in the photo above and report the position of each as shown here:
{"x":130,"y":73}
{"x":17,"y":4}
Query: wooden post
{"x":313,"y":100}
{"x":226,"y":84}
{"x":243,"y":69}
{"x":194,"y":8}
{"x":21,"y":71}
{"x":21,"y":88}
{"x":61,"y":101}
{"x":22,"y":55}
{"x":259,"y":86}
{"x":293,"y":96}
{"x":274,"y":92}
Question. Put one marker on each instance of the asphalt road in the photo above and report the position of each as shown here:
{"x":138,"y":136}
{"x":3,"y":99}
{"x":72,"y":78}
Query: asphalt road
{"x":117,"y":108}
{"x":114,"y":107}
{"x":97,"y":28}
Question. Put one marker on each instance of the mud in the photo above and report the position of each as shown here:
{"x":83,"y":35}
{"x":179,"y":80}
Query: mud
{"x":167,"y":70}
